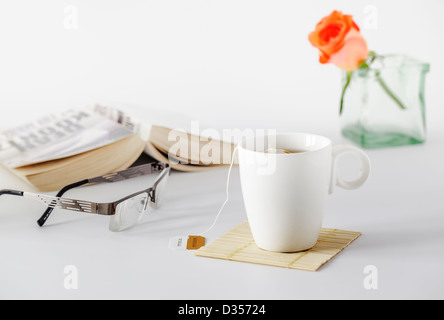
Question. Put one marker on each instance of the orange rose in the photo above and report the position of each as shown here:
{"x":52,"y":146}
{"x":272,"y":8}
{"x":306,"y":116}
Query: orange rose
{"x":339,"y":41}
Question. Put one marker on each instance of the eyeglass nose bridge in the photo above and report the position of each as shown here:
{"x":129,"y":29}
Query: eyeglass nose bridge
{"x":152,"y":196}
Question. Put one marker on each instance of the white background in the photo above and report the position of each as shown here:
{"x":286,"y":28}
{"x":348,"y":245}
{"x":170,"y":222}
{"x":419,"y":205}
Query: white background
{"x":235,"y":61}
{"x":232,"y":64}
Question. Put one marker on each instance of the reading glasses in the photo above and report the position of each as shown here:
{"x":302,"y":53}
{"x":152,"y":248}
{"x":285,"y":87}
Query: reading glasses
{"x":125,"y":213}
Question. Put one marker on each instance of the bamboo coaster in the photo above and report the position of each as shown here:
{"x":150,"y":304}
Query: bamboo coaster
{"x":238,"y":245}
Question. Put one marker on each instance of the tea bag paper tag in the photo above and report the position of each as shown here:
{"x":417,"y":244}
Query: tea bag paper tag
{"x":178,"y":243}
{"x":186,"y":242}
{"x":195,"y":242}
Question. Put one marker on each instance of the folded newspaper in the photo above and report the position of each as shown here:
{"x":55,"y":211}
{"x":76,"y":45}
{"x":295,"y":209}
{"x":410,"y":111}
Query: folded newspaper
{"x":65,"y":147}
{"x":58,"y":136}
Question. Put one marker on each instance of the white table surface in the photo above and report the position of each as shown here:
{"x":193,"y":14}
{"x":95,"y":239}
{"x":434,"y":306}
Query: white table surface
{"x":399,"y":212}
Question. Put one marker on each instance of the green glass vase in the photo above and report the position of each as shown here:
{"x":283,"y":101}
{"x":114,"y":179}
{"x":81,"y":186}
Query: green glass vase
{"x":384,"y":104}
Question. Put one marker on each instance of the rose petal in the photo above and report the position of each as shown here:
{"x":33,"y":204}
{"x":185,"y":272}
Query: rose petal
{"x":352,"y":54}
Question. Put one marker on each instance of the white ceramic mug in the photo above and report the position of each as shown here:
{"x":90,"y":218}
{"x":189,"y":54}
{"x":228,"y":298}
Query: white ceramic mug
{"x":285,"y":194}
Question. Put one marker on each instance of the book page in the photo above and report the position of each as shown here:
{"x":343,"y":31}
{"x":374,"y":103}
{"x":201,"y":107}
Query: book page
{"x":176,"y":135}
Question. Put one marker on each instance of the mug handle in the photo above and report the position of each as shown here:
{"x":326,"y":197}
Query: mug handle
{"x":336,"y":180}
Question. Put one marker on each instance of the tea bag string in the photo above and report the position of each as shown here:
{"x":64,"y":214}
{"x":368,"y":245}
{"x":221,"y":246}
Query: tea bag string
{"x":226,"y":192}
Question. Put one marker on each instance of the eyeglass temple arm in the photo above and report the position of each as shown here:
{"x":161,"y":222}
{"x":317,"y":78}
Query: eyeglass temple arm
{"x":129,"y":173}
{"x":62,"y":203}
{"x":49,"y":210}
{"x":11,"y":192}
{"x":108,"y":178}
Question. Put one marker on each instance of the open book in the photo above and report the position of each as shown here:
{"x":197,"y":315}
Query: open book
{"x":77,"y":144}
